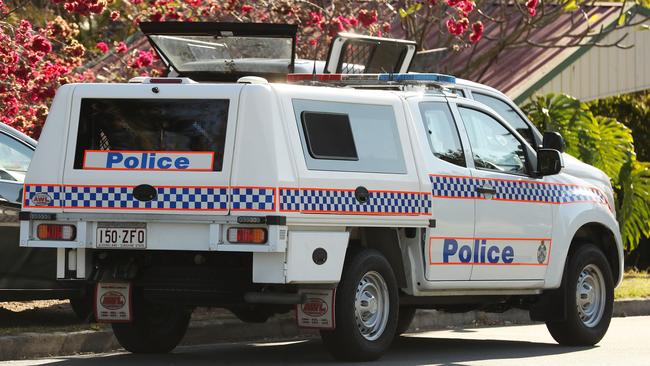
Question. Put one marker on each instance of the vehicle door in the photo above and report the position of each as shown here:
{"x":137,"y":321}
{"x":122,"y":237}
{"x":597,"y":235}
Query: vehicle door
{"x":512,"y":235}
{"x":449,"y":181}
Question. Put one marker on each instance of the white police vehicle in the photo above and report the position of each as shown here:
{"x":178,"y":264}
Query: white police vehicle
{"x":353,"y":198}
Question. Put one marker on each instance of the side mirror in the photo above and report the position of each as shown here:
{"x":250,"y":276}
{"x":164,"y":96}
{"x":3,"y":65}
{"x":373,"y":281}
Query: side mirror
{"x":549,"y":162}
{"x":553,"y":140}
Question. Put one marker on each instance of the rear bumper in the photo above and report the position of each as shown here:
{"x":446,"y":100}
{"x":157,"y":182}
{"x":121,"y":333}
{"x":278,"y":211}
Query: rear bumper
{"x":164,"y":232}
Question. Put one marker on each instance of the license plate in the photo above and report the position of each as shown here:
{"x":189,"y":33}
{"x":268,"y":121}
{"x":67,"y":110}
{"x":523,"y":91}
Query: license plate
{"x":122,"y":235}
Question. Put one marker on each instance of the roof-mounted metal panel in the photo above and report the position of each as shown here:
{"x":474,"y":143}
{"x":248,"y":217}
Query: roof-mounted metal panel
{"x":219,"y":51}
{"x":357,"y":54}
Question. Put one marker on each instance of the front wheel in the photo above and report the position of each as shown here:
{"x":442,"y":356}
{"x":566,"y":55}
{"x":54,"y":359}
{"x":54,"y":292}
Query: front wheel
{"x":588,"y":297}
{"x":156,"y":328}
{"x":366,"y":311}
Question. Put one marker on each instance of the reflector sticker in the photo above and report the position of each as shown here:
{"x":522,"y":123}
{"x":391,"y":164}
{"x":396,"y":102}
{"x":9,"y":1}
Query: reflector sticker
{"x":318,"y":310}
{"x":148,"y":160}
{"x":113,"y":302}
{"x":307,"y":200}
{"x":515,"y":190}
{"x":343,"y":201}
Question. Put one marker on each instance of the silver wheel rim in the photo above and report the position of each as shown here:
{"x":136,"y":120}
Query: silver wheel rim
{"x":590,"y":295}
{"x":371,"y":305}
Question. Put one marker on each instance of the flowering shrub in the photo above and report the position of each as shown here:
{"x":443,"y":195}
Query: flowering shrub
{"x":35,"y":60}
{"x":33,"y":63}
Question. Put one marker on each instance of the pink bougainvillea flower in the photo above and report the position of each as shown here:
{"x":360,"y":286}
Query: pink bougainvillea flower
{"x":115,"y":15}
{"x":246,"y":9}
{"x":532,"y":7}
{"x":315,"y":18}
{"x":102,"y":46}
{"x":142,"y":59}
{"x":457,"y":28}
{"x":386,"y":27}
{"x":477,"y":32}
{"x":335,"y":27}
{"x":41,"y":44}
{"x":367,"y":18}
{"x":121,"y":47}
{"x":465,"y":6}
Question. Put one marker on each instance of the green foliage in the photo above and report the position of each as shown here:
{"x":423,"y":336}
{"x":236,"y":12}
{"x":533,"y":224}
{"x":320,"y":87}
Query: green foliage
{"x":633,"y":110}
{"x":606,"y":144}
{"x":633,"y":209}
{"x":600,"y":141}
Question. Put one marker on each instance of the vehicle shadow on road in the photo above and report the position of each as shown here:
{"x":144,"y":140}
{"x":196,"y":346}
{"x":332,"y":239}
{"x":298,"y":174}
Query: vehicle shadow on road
{"x":405,"y":351}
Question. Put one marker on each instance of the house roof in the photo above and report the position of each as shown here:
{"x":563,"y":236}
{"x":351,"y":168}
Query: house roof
{"x":519,"y":71}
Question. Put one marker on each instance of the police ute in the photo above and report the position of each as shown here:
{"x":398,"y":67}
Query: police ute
{"x":347,"y":190}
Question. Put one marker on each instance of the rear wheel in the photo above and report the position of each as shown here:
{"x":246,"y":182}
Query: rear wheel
{"x":156,"y":328}
{"x":366,"y":310}
{"x":588,"y":297}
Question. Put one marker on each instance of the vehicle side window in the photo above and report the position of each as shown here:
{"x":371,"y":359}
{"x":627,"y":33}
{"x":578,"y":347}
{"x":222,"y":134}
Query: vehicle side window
{"x":329,"y":136}
{"x":442,"y":134}
{"x":349,"y":137}
{"x":14,"y":159}
{"x":508,"y":113}
{"x":493,"y":146}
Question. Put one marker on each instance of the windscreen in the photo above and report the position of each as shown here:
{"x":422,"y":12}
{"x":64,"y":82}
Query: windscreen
{"x":146,"y":134}
{"x":226,"y":54}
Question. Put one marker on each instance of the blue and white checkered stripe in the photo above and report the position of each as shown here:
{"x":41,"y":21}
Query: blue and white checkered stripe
{"x":170,"y":198}
{"x":52,"y":192}
{"x":116,"y":197}
{"x":508,"y":190}
{"x":254,"y":199}
{"x":454,"y":187}
{"x":290,"y":199}
{"x":524,"y":190}
{"x":343,"y":201}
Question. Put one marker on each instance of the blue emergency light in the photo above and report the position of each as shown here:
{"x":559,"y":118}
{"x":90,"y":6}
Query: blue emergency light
{"x":373,"y":79}
{"x":436,"y":78}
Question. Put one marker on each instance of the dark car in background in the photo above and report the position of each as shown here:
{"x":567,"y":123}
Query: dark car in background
{"x":26,"y":273}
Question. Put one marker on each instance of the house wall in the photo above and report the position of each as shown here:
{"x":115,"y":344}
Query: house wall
{"x":606,"y":71}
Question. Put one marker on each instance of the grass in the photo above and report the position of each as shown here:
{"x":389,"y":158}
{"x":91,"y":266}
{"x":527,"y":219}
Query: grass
{"x":635,"y":284}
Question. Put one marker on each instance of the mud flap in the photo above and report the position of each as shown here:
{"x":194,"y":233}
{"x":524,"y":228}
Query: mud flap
{"x":113,"y":302}
{"x":318,"y":309}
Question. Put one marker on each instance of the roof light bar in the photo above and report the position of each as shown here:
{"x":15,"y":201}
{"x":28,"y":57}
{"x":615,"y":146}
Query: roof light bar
{"x":373,"y":79}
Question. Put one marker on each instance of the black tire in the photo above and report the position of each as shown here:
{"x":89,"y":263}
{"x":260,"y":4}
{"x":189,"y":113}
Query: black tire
{"x":573,"y":331}
{"x":405,"y":318}
{"x":82,"y":307}
{"x":156,"y":328}
{"x":346,"y":342}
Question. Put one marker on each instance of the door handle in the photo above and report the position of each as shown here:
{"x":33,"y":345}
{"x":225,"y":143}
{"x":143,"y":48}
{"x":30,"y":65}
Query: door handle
{"x":486,"y":190}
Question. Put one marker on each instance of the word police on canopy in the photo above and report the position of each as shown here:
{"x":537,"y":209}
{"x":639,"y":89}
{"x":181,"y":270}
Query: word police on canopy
{"x":148,"y":160}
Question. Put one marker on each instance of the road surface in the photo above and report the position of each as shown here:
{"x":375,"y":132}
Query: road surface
{"x":626,"y":343}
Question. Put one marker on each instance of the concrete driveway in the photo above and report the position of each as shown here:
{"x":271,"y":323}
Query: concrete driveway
{"x":625,"y":343}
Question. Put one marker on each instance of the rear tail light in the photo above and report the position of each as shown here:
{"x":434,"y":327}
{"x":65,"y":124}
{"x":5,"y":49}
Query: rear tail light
{"x":247,"y":235}
{"x":56,"y":232}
